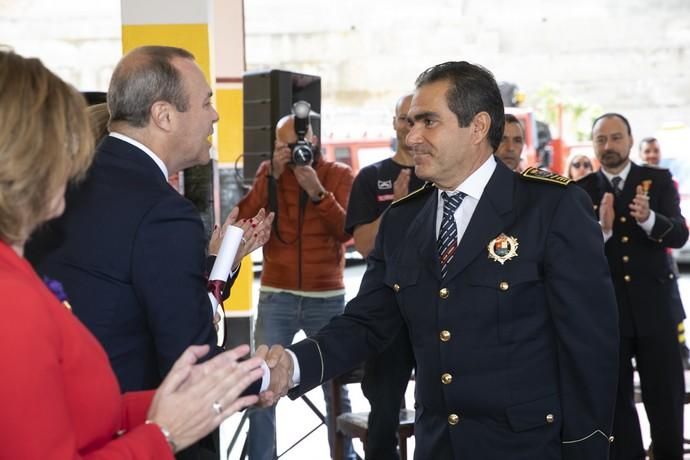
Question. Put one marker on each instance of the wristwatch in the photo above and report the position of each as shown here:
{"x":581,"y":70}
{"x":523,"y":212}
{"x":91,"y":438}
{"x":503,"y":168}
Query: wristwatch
{"x":320,"y":196}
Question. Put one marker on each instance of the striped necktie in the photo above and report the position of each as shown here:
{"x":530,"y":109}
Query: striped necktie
{"x":448,"y":234}
{"x":616,"y":185}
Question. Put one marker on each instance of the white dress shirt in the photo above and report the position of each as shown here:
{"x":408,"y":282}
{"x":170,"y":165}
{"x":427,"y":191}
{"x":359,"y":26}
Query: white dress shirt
{"x":473,"y":187}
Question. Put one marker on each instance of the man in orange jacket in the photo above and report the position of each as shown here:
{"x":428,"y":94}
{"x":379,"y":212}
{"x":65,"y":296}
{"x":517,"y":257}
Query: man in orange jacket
{"x":302,"y":283}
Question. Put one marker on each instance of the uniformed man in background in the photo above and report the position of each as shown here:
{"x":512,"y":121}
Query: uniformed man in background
{"x":638,"y":209}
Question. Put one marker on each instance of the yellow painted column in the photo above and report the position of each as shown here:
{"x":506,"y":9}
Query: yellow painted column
{"x":172,"y":23}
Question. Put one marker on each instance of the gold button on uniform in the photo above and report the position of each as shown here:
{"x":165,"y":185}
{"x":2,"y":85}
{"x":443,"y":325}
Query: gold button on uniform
{"x":626,"y":259}
{"x":446,"y":378}
{"x":624,"y":239}
{"x":611,"y":439}
{"x":623,"y":219}
{"x":504,"y":286}
{"x":453,"y":419}
{"x":549,"y":418}
{"x":444,"y":336}
{"x":396,"y":287}
{"x":671,"y":276}
{"x":627,"y":278}
{"x":443,"y":293}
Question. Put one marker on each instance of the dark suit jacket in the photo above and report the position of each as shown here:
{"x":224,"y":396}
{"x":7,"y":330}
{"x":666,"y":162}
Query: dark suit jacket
{"x":130,"y":252}
{"x":529,"y":348}
{"x":646,"y":300}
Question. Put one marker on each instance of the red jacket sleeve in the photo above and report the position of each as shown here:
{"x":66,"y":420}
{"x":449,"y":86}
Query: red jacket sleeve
{"x":39,"y":340}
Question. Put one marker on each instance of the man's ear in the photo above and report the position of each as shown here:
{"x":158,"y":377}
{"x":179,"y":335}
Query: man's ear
{"x":480,"y":127}
{"x":161,"y":115}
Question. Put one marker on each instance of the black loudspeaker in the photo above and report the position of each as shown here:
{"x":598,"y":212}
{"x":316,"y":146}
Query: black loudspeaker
{"x":268,"y":96}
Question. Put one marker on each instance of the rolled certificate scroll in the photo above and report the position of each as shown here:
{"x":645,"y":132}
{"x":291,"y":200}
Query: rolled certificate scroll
{"x":223,"y":263}
{"x":219,"y":277}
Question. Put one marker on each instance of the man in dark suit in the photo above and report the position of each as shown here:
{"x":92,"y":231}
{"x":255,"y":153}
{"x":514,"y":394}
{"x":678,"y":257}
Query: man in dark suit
{"x":503,"y":285}
{"x":638,"y":209}
{"x":129,"y":249}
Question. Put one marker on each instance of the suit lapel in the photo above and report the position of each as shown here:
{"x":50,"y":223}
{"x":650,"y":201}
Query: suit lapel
{"x":422,"y":234}
{"x":631,"y":182}
{"x":490,"y":217}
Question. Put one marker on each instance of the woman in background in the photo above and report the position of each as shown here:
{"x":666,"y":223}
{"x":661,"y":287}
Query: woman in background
{"x":58,"y":394}
{"x":579,"y":166}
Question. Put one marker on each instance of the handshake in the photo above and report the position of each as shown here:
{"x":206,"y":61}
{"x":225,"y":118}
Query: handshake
{"x":197,"y":396}
{"x":282,"y":367}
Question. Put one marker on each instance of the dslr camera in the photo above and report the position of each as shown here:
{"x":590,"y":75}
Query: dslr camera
{"x":302,"y":150}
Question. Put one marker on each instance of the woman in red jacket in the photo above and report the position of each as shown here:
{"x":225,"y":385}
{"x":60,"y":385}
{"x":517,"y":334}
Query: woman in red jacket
{"x":58,"y":395}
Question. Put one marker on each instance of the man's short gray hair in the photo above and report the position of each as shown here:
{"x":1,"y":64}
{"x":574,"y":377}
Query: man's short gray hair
{"x":145,"y":76}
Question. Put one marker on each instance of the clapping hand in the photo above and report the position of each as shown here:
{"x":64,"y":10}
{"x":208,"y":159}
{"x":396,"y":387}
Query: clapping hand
{"x":606,"y":212}
{"x":256,"y":232}
{"x":195,"y":398}
{"x":639,"y":208}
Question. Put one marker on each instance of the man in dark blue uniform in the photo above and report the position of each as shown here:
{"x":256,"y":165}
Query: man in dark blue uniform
{"x":638,"y":208}
{"x":386,"y":375}
{"x":502,"y":283}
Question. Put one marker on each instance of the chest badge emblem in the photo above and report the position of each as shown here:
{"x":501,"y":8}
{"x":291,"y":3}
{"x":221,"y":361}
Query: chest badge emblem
{"x":503,"y":248}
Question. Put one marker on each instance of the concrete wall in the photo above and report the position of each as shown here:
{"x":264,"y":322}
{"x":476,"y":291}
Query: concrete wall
{"x":631,"y":56}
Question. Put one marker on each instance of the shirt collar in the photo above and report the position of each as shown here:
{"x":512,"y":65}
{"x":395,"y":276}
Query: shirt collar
{"x":474,"y":185}
{"x":623,"y":174}
{"x":145,"y":149}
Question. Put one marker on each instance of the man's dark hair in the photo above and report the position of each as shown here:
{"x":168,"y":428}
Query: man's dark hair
{"x":647,"y":140}
{"x":143,"y":77}
{"x":473,"y":89}
{"x":510,"y":118}
{"x":613,"y":115}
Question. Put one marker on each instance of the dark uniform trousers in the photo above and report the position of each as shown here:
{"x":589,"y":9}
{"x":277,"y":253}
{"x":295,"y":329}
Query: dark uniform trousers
{"x":384,"y":383}
{"x":646,"y":286}
{"x":515,"y":360}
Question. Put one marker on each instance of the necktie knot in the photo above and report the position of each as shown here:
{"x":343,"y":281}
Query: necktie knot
{"x":616,"y":184}
{"x":452,"y":202}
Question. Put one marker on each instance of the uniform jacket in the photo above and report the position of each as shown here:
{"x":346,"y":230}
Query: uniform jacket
{"x":644,"y":280}
{"x":311,"y":255}
{"x":58,"y":394}
{"x":130,"y":252}
{"x":515,"y":360}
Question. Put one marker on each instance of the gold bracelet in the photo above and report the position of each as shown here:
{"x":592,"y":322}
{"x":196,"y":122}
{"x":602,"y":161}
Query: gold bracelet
{"x":166,"y":435}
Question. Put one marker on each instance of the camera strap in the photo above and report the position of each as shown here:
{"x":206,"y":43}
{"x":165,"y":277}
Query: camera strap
{"x":273,"y":206}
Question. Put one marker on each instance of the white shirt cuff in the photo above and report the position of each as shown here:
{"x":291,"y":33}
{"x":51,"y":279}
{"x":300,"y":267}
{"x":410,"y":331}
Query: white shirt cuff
{"x":606,"y":235}
{"x":266,"y":378}
{"x":296,"y":376}
{"x":648,"y":224}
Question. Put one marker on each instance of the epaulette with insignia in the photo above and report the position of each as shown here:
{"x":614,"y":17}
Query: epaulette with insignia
{"x":421,"y":191}
{"x":542,"y":175}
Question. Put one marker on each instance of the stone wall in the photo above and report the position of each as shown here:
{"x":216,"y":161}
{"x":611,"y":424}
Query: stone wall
{"x":629,"y":56}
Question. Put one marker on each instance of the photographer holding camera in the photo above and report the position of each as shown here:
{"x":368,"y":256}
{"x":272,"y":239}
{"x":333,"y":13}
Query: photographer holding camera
{"x":302,"y":283}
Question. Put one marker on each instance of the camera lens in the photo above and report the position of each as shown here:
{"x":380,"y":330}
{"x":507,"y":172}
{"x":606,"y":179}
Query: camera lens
{"x":302,"y":154}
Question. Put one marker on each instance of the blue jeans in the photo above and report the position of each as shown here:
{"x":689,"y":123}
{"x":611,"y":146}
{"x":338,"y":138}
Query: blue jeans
{"x":281,"y":316}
